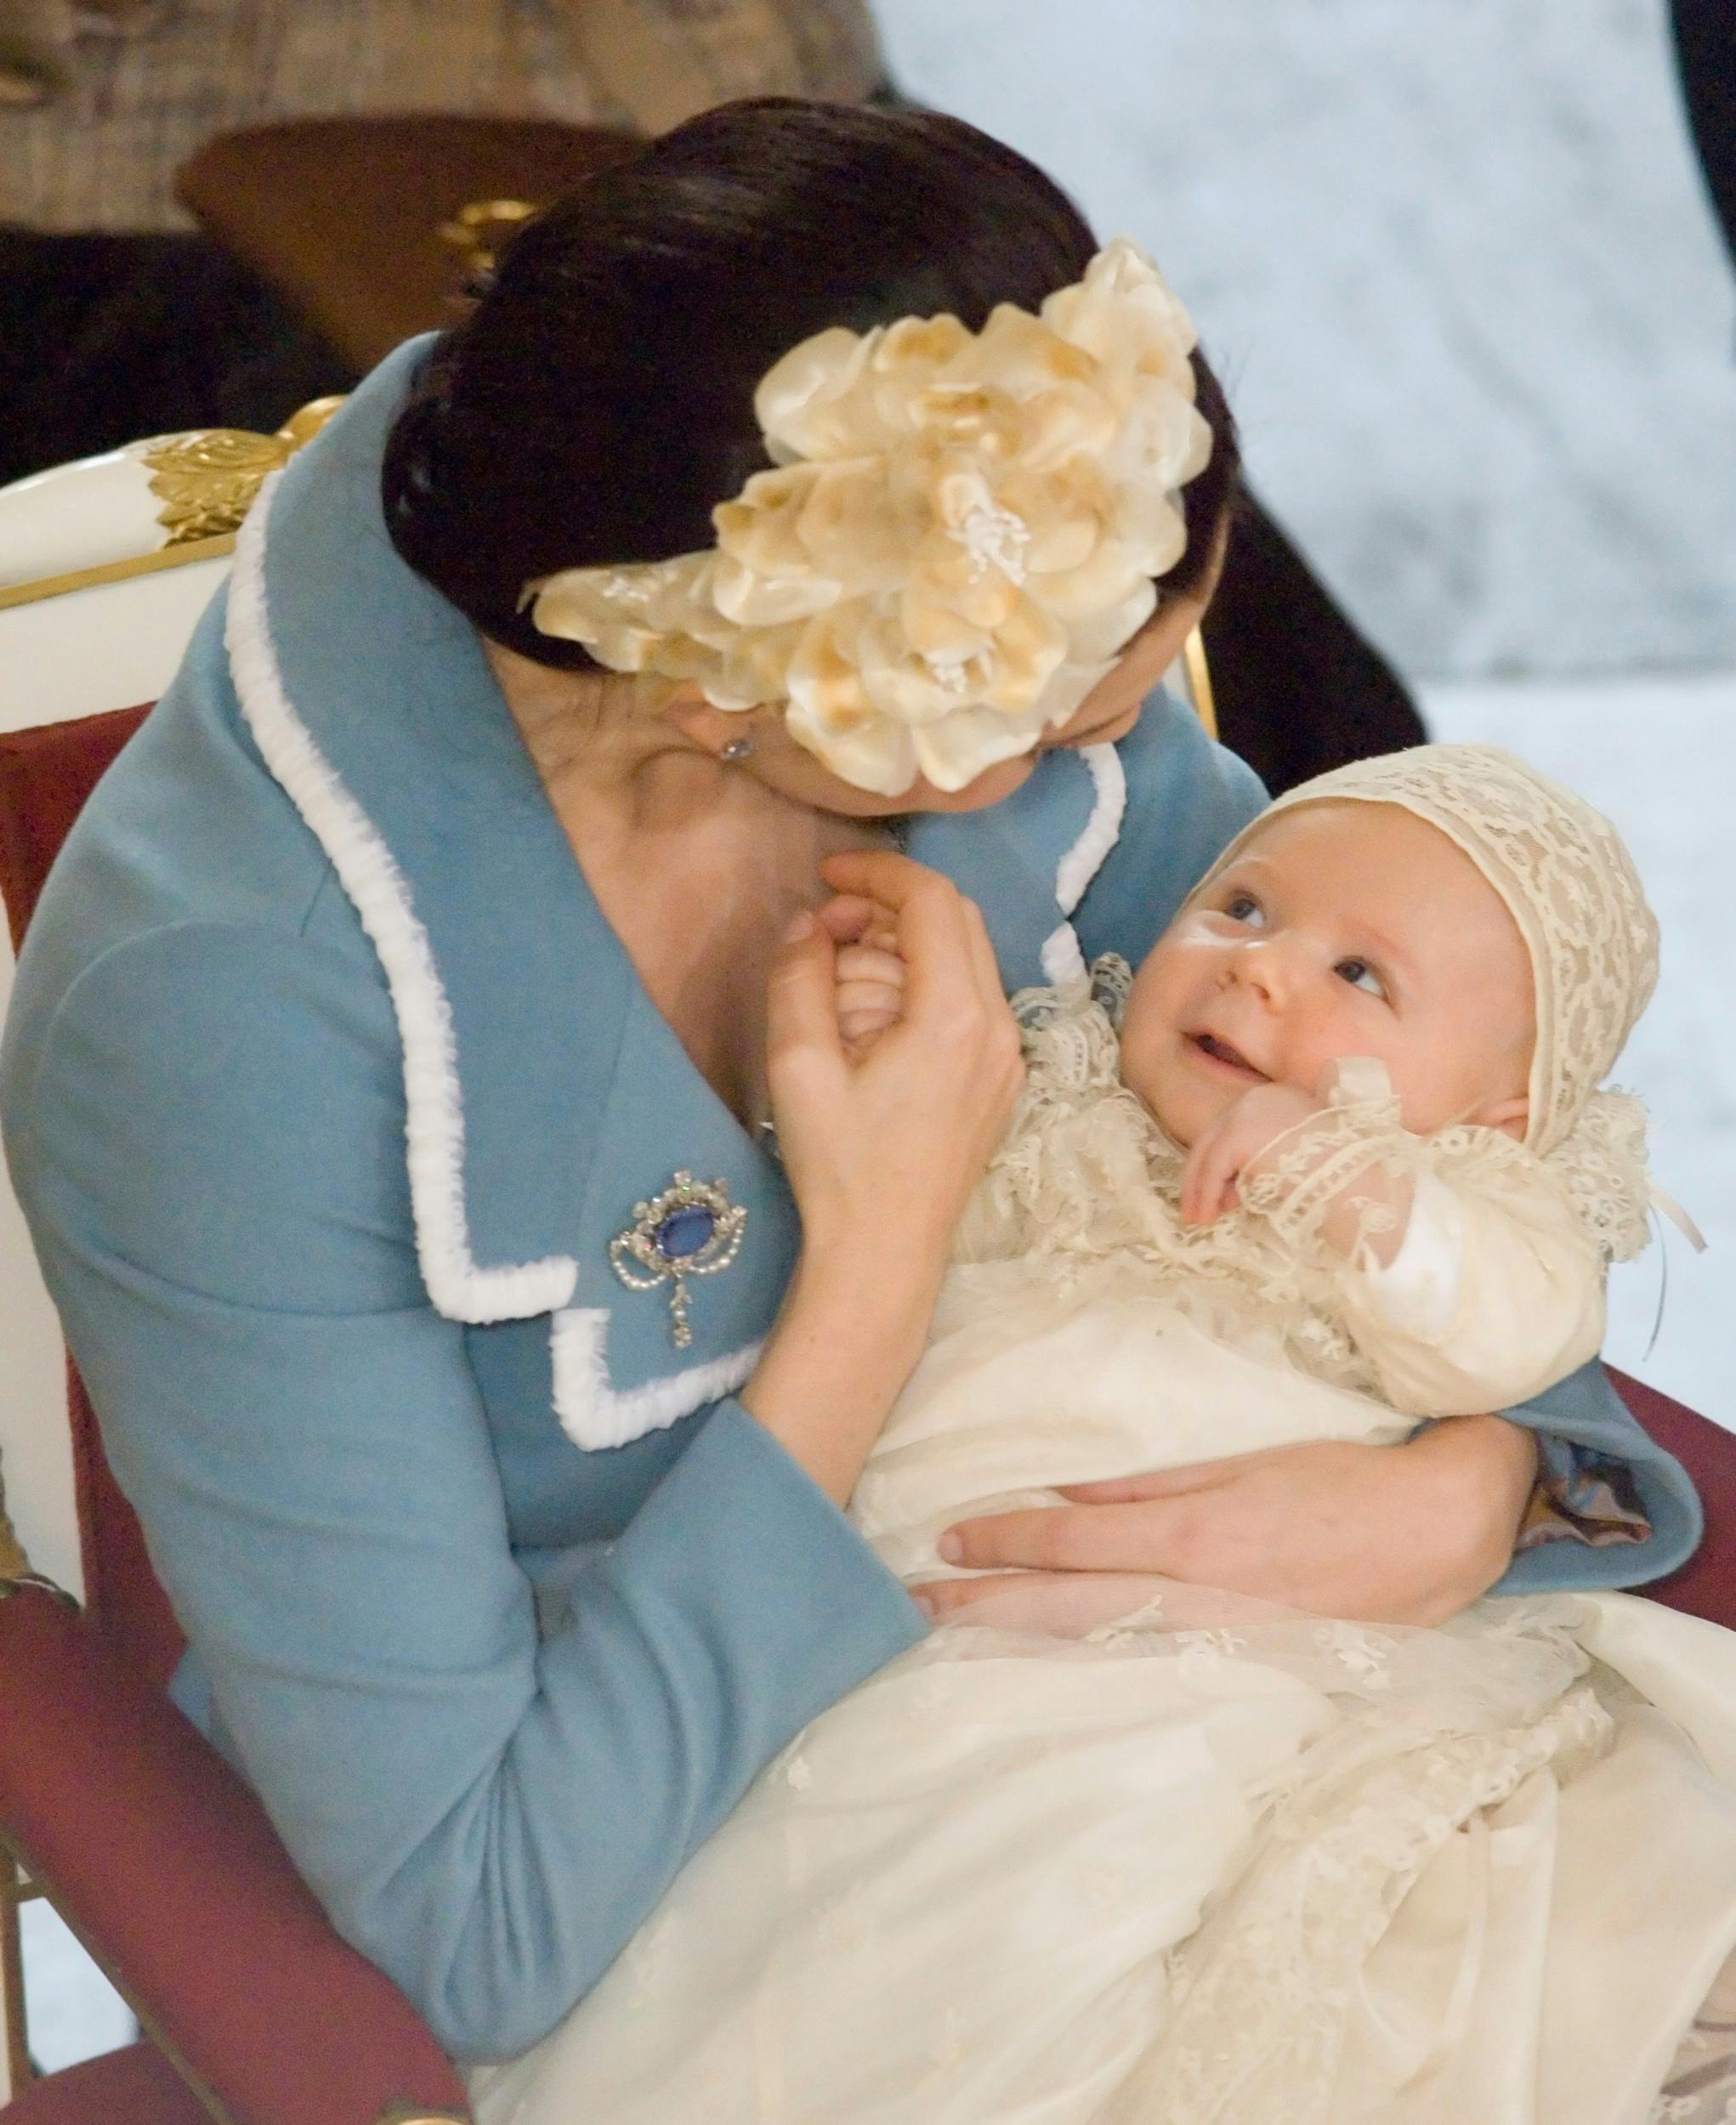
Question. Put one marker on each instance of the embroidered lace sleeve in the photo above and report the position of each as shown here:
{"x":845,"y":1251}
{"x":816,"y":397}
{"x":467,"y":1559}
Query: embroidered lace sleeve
{"x":1314,"y":1168}
{"x":1489,"y":1285}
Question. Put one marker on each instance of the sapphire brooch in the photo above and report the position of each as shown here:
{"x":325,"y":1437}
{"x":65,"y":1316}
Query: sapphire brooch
{"x":691,"y":1229}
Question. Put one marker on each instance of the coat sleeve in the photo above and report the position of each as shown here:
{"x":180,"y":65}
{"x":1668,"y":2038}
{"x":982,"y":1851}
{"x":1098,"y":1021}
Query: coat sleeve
{"x":207,"y":1139}
{"x":1186,"y":798}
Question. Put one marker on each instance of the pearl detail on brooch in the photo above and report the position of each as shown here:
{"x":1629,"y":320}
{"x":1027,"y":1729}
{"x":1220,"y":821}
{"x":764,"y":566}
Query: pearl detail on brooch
{"x":690,"y":1229}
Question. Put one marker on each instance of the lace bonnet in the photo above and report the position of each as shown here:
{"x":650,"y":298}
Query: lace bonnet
{"x":1569,"y":884}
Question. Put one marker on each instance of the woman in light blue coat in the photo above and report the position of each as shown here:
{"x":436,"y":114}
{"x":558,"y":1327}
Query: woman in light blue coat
{"x":406,"y":958}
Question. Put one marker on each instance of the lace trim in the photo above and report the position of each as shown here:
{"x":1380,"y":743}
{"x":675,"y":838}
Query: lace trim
{"x":462,"y":1289}
{"x":1602,"y":1166}
{"x":1084,"y":1177}
{"x":1264,"y":1997}
{"x":1303,"y":1173}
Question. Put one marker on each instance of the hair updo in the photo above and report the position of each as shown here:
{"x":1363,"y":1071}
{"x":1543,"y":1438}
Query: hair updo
{"x":598,"y":404}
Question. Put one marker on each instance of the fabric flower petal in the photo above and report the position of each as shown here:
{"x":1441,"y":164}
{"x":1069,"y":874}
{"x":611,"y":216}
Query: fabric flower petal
{"x":961,"y":534}
{"x":970,"y":741}
{"x":819,"y":402}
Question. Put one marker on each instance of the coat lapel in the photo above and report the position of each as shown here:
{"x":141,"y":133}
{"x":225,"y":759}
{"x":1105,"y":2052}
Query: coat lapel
{"x":545,"y":1095}
{"x":1027,"y":862}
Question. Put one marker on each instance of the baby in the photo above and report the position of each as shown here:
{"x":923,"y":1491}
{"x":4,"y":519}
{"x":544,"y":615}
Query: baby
{"x":1345,"y":1163}
{"x":1328,"y":1037}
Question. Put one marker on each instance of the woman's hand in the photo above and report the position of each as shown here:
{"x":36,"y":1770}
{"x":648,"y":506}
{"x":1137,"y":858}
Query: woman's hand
{"x":1407,"y":1534}
{"x":892,"y":1140}
{"x":883,"y":1143}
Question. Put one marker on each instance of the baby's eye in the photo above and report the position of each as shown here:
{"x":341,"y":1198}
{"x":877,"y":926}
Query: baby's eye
{"x":1360,"y":975}
{"x":1242,"y":907}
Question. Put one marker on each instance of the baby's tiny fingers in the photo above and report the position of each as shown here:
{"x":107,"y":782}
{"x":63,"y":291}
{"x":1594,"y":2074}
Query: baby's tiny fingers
{"x":1211,"y":1171}
{"x":1224,"y":1196}
{"x":861,"y":962}
{"x":857,"y":1026}
{"x":1193,"y":1178}
{"x":854,"y":995}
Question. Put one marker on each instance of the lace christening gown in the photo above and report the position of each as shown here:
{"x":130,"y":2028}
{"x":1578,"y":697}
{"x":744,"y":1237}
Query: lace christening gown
{"x":1178,"y":1858}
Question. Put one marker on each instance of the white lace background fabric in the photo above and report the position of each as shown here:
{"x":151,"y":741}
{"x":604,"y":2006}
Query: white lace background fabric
{"x":1701,"y":2090}
{"x":1159,"y":1855}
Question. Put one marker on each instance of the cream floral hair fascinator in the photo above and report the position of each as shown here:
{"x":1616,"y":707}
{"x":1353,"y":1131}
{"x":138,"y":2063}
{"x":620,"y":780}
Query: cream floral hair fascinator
{"x":960,"y":535}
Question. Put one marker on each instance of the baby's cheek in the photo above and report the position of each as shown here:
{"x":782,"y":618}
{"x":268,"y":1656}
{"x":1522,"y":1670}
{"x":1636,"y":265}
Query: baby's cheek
{"x":1150,"y":1072}
{"x":1422,"y":1073}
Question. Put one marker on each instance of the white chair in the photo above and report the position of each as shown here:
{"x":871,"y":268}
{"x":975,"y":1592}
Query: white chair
{"x":105,"y":565}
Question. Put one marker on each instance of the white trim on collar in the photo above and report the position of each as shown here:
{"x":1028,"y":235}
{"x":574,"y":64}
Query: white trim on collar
{"x":1061,"y":957}
{"x":432,"y":1097}
{"x":1103,"y":830}
{"x":592,"y":1414}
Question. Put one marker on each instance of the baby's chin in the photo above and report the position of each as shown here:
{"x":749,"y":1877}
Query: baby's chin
{"x":1178,"y":1118}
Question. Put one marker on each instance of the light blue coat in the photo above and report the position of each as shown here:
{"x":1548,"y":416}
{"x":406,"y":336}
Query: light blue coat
{"x":366,"y":1404}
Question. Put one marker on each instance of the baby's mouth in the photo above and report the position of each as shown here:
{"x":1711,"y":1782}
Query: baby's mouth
{"x":1227,"y":1057}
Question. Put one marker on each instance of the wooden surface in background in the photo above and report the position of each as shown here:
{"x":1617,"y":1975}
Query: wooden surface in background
{"x":342,"y":215}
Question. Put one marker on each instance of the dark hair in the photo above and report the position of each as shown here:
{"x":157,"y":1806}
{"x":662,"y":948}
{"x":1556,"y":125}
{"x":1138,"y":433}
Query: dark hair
{"x":598,"y":404}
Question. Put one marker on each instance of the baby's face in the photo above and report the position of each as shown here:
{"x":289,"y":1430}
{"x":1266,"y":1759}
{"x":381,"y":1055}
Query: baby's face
{"x":1340,"y":930}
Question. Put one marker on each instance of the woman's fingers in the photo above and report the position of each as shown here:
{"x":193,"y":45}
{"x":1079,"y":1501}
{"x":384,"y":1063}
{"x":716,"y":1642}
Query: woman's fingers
{"x":936,"y":936}
{"x":848,"y":918}
{"x":1160,"y":1482}
{"x":954,"y":1008}
{"x":1063,"y":1603}
{"x":1130,"y":1537}
{"x":1336,"y":1527}
{"x":986,"y":967}
{"x":941,"y":1598}
{"x":873,"y":874}
{"x":889,"y":1100}
{"x":801,"y":1005}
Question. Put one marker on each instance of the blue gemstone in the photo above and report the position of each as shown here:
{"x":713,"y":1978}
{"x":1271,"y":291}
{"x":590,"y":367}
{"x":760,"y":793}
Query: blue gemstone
{"x":685,"y":1232}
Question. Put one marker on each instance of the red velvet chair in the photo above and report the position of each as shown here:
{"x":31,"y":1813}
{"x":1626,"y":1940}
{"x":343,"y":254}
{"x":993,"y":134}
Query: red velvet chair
{"x":161,"y":1859}
{"x":156,"y":1854}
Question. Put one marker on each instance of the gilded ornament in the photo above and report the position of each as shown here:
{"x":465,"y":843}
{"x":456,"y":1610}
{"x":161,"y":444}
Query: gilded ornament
{"x":207,"y":481}
{"x":478,"y":232}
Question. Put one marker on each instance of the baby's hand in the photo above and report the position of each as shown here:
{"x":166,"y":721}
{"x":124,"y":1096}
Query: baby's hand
{"x":1222,"y":1149}
{"x":871,"y":973}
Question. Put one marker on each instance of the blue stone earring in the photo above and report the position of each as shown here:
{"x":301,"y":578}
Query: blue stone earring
{"x":691,"y":1229}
